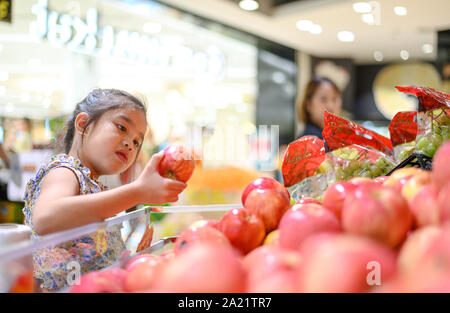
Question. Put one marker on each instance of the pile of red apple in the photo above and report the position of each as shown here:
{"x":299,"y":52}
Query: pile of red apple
{"x":390,"y":234}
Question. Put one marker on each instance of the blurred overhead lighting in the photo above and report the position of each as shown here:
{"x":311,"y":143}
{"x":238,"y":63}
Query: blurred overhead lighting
{"x":249,"y":5}
{"x":378,"y":56}
{"x":315,"y":29}
{"x":368,"y":18}
{"x":346,"y":36}
{"x":400,"y":11}
{"x":4,"y":76}
{"x":304,"y":25}
{"x":404,"y":55}
{"x":25,"y":97}
{"x":34,"y":63}
{"x":427,"y":48}
{"x":152,"y":28}
{"x":2,"y":90}
{"x":362,"y":7}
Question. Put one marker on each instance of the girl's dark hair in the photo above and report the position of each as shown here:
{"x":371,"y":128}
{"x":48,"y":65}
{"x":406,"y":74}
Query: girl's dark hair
{"x":311,"y":88}
{"x":97,"y":102}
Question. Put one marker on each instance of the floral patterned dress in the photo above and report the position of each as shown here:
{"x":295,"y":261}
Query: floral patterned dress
{"x":91,"y":252}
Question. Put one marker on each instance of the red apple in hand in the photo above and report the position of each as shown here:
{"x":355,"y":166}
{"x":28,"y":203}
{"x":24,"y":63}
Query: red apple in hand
{"x":264,"y":183}
{"x":203,"y":267}
{"x":334,"y":196}
{"x":378,"y":212}
{"x":177,"y":163}
{"x":192,"y":235}
{"x":244,"y":231}
{"x":302,"y":220}
{"x":269,"y":205}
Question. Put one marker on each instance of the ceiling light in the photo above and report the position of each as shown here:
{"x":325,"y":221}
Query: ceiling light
{"x":304,"y":25}
{"x":315,"y":29}
{"x":404,"y":55}
{"x":362,"y":7}
{"x":346,"y":36}
{"x":249,"y":5}
{"x":4,"y":76}
{"x":34,"y":63}
{"x":25,"y":97}
{"x":378,"y":56}
{"x":427,"y":48}
{"x":368,"y":18}
{"x":400,"y":11}
{"x":152,"y":28}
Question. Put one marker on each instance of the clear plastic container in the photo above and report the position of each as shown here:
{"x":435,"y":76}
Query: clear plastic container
{"x":55,"y":262}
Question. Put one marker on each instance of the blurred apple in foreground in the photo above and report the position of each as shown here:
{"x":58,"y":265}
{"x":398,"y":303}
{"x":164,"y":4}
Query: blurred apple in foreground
{"x":441,"y":165}
{"x":334,"y":196}
{"x":307,"y":200}
{"x":378,"y":212}
{"x":302,"y":220}
{"x":271,"y":269}
{"x":203,"y":267}
{"x":199,"y":234}
{"x":343,"y":263}
{"x":424,"y":206}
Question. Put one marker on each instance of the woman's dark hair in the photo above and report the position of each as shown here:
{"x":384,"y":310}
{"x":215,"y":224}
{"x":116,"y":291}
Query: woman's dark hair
{"x":97,"y":102}
{"x":311,"y":88}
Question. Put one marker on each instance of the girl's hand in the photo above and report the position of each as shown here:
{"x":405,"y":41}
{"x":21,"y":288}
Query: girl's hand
{"x":153,"y":188}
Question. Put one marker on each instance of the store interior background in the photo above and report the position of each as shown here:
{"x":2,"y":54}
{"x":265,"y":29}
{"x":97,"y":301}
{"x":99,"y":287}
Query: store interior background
{"x":210,"y":65}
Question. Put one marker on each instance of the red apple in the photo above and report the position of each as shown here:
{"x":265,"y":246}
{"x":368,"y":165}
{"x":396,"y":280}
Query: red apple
{"x":424,"y":206}
{"x":269,"y":205}
{"x":202,"y":223}
{"x":168,"y":255}
{"x":267,"y":262}
{"x":177,"y":163}
{"x":399,"y":178}
{"x":343,"y":263}
{"x":195,"y":234}
{"x":244,"y":231}
{"x":378,"y":212}
{"x":264,"y":183}
{"x":142,"y":275}
{"x":381,"y":179}
{"x":441,"y":165}
{"x":363,"y":181}
{"x":415,"y":247}
{"x":444,"y":203}
{"x":203,"y":267}
{"x":303,"y":220}
{"x":110,"y":281}
{"x":413,"y":185}
{"x":142,"y":258}
{"x":306,"y":200}
{"x":334,"y":196}
{"x":272,"y":238}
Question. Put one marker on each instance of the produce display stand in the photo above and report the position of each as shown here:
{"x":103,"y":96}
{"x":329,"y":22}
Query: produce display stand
{"x":16,"y":261}
{"x":417,"y":160}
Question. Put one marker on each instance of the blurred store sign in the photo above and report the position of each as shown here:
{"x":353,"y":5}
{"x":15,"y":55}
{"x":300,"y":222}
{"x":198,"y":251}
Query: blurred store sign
{"x":87,"y":36}
{"x":5,"y":10}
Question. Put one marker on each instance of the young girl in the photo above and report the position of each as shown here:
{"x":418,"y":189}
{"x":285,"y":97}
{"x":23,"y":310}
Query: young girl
{"x":104,"y":136}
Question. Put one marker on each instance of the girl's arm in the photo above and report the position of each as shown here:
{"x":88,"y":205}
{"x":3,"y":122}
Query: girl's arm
{"x":59,"y":205}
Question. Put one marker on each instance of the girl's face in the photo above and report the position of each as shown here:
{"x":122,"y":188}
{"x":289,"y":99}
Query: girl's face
{"x":325,"y":98}
{"x":111,"y":143}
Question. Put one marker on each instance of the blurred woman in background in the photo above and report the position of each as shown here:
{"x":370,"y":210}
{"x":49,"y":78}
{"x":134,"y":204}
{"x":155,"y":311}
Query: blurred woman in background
{"x":321,"y":94}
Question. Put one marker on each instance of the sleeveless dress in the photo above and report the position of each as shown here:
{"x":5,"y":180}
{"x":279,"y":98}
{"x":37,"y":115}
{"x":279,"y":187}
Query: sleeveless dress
{"x":54,"y":265}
